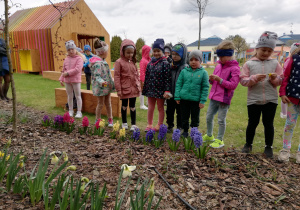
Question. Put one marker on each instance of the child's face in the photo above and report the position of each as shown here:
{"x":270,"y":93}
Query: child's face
{"x":71,"y":52}
{"x":87,"y":52}
{"x":129,"y":53}
{"x":104,"y":54}
{"x":157,"y":53}
{"x":225,"y":59}
{"x":194,"y":63}
{"x":167,"y":54}
{"x":263,"y":53}
{"x":176,"y":57}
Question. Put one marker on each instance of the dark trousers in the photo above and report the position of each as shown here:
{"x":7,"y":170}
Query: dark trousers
{"x":171,"y":107}
{"x":132,"y":110}
{"x":268,"y":113}
{"x":88,"y":81}
{"x":189,"y":109}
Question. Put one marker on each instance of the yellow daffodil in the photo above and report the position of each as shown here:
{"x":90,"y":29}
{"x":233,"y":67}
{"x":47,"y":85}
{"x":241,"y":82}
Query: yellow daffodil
{"x":8,"y":142}
{"x":116,"y":126}
{"x":54,"y":159}
{"x":151,"y":190}
{"x":22,"y":157}
{"x":127,"y":170}
{"x":72,"y":168}
{"x":7,"y":157}
{"x":122,"y":132}
{"x":21,"y":164}
{"x":65,"y":156}
{"x":1,"y":154}
{"x":102,"y":123}
{"x":85,"y":179}
{"x":52,"y":153}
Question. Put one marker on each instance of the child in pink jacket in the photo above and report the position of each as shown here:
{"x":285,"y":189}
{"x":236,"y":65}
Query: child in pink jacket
{"x":224,"y":81}
{"x":127,"y":81}
{"x":146,"y":51}
{"x":71,"y":76}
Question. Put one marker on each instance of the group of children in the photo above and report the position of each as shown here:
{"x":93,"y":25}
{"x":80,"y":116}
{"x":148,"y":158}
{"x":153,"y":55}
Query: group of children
{"x":186,"y":87}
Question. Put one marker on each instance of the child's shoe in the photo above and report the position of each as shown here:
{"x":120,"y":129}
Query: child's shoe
{"x":149,"y":127}
{"x":143,"y":107}
{"x":282,"y":115}
{"x":298,"y":157}
{"x":185,"y":134}
{"x":217,"y":144}
{"x":110,"y":123}
{"x":170,"y":130}
{"x":125,"y":125}
{"x":247,"y":148}
{"x":284,"y":155}
{"x":268,"y":152}
{"x":78,"y":114}
{"x":71,"y":113}
{"x":208,"y":138}
{"x":133,"y":127}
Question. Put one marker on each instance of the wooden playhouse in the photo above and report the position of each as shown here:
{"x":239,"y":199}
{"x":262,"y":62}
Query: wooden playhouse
{"x":38,"y":35}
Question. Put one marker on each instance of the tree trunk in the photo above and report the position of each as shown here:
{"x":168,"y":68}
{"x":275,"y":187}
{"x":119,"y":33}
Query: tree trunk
{"x":13,"y":90}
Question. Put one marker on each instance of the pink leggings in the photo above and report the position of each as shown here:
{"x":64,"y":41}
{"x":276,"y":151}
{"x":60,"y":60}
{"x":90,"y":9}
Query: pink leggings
{"x":160,"y":107}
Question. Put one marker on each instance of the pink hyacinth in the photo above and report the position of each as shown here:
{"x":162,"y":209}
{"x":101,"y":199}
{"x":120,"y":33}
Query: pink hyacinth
{"x":67,"y":117}
{"x":85,"y":122}
{"x":97,"y":124}
{"x":71,"y":120}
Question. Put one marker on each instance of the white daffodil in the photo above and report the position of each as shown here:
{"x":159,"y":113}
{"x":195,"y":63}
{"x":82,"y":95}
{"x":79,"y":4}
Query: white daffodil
{"x":71,"y":168}
{"x":127,"y":170}
{"x":85,"y":179}
{"x":65,"y":156}
{"x":151,"y":190}
{"x":54,"y":159}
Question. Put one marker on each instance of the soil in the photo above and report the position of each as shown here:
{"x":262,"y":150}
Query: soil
{"x":226,"y":179}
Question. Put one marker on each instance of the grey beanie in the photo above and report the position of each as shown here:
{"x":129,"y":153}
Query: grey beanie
{"x":70,"y":45}
{"x":294,"y":46}
{"x":267,"y":39}
{"x":196,"y":54}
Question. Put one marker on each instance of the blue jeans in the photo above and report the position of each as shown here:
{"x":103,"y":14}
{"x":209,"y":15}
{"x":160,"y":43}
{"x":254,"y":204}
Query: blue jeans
{"x":213,"y":108}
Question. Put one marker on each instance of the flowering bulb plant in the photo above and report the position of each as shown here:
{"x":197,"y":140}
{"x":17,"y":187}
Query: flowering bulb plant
{"x":175,"y":141}
{"x":85,"y":125}
{"x":201,"y":148}
{"x":149,"y":137}
{"x":46,"y":121}
{"x":116,"y":128}
{"x":58,"y":122}
{"x":162,"y":135}
{"x":136,"y":134}
{"x":189,"y":141}
{"x":68,"y":123}
{"x":99,"y":127}
{"x":122,"y":134}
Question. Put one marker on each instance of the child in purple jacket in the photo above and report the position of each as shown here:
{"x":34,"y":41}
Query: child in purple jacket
{"x":224,"y":81}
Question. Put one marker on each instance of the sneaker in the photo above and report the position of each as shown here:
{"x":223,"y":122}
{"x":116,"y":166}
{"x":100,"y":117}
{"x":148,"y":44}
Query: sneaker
{"x":110,"y":123}
{"x":170,"y":130}
{"x":143,"y":107}
{"x":217,"y":144}
{"x":78,"y":115}
{"x":71,"y":113}
{"x":208,"y":138}
{"x":282,"y":115}
{"x":268,"y":152}
{"x":298,"y":157}
{"x":125,"y":125}
{"x":284,"y":155}
{"x":185,"y":134}
{"x":247,"y":148}
{"x":133,"y":127}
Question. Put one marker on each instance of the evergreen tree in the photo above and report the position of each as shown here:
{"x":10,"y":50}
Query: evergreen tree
{"x":115,"y":45}
{"x":139,"y":44}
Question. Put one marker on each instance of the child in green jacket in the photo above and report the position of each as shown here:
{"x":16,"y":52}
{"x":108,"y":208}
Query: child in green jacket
{"x":191,"y":91}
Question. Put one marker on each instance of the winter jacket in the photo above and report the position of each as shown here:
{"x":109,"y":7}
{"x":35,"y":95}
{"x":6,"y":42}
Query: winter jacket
{"x":73,"y":66}
{"x":176,"y":68}
{"x":157,"y":78}
{"x":126,"y":75}
{"x":265,"y":91}
{"x":291,"y":82}
{"x":144,"y":61}
{"x":4,"y":67}
{"x":230,"y":73}
{"x":87,"y":69}
{"x":192,"y":85}
{"x":100,"y":73}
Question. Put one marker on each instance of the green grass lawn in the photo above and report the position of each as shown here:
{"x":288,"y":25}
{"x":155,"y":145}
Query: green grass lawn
{"x":37,"y":92}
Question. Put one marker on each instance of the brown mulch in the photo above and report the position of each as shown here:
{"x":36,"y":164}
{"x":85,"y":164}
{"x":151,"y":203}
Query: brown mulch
{"x":226,"y":179}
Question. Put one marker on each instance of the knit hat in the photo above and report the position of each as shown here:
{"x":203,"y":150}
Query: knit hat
{"x":159,"y":44}
{"x":70,"y":45}
{"x":100,"y":46}
{"x":178,"y":49}
{"x":168,"y":48}
{"x":294,"y":46}
{"x":87,"y":48}
{"x":79,"y":49}
{"x":196,"y":54}
{"x":267,"y":39}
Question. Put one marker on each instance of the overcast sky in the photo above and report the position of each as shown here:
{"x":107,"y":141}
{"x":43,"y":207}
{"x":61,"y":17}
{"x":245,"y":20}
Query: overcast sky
{"x":175,"y":21}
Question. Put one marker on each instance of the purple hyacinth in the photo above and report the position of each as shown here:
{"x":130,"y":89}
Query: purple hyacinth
{"x":136,"y":134}
{"x":176,"y":135}
{"x":198,"y":140}
{"x":194,"y":131}
{"x":46,"y":119}
{"x":58,"y":119}
{"x":150,"y":135}
{"x":162,"y":132}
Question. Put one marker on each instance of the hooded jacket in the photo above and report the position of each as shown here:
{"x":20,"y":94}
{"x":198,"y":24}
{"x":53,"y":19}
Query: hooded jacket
{"x":144,"y":61}
{"x":3,"y":58}
{"x":126,"y":75}
{"x":177,"y":67}
{"x":265,"y":91}
{"x":192,"y":85}
{"x":73,"y":66}
{"x":87,"y":69}
{"x":230,"y":73}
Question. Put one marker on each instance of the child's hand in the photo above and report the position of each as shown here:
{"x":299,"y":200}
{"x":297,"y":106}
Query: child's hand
{"x":61,"y":83}
{"x":119,"y":94}
{"x":260,"y":77}
{"x":201,"y":106}
{"x":104,"y":84}
{"x":285,"y":99}
{"x":272,"y":76}
{"x":212,"y":77}
{"x":178,"y":102}
{"x":65,"y":74}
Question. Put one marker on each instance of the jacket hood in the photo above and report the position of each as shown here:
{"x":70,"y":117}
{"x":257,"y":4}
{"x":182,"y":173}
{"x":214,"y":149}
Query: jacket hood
{"x":145,"y":52}
{"x":127,"y":42}
{"x":184,"y":57}
{"x":230,"y":63}
{"x":256,"y":59}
